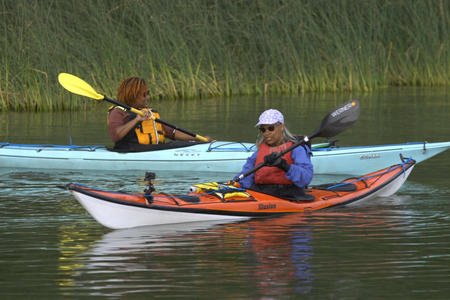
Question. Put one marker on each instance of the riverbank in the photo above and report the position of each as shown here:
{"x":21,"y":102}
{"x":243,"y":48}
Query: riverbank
{"x":199,"y":49}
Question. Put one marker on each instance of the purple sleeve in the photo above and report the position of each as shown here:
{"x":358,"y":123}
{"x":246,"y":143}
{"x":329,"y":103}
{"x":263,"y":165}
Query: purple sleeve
{"x":301,"y":172}
{"x":248,"y":181}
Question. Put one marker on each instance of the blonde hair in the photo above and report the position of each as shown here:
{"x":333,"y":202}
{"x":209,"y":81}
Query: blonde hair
{"x":130,"y":88}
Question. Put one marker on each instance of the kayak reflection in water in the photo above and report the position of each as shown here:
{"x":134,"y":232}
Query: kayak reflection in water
{"x":286,"y":176}
{"x":131,"y":132}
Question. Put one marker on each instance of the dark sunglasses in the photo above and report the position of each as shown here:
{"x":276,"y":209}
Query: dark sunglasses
{"x":270,"y":128}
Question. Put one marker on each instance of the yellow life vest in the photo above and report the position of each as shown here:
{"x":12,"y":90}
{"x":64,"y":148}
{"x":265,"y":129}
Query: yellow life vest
{"x":150,"y":131}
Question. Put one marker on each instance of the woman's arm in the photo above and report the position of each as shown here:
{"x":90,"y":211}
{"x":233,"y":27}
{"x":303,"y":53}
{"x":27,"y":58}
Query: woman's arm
{"x":119,"y":127}
{"x":174,"y":134}
{"x":301,"y":171}
{"x":248,"y":181}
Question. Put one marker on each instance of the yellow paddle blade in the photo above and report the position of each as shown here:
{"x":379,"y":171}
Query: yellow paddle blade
{"x":78,"y":86}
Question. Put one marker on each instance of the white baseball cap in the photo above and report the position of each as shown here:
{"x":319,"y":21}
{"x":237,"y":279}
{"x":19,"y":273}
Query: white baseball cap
{"x":270,"y":116}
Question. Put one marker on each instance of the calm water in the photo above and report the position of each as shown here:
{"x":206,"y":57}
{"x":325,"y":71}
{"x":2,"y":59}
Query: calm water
{"x":390,"y":248}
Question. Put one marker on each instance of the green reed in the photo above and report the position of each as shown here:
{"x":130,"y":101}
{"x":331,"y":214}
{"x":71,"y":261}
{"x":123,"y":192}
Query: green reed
{"x":204,"y":48}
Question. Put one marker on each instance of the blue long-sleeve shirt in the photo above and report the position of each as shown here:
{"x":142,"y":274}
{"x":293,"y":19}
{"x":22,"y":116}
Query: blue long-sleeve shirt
{"x":300,"y":172}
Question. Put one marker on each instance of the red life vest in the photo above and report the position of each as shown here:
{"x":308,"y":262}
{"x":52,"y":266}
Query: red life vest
{"x":272,"y":175}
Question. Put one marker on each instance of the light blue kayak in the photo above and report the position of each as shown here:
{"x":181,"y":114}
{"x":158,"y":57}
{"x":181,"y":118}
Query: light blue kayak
{"x":220,"y":156}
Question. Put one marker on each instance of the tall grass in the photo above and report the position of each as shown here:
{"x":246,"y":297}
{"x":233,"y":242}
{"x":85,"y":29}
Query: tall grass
{"x":203,"y":48}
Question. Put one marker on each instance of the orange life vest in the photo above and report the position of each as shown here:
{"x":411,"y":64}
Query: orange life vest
{"x":272,"y":175}
{"x":150,"y":131}
{"x":147,"y":132}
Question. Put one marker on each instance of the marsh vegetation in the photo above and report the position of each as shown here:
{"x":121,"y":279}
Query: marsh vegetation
{"x":207,"y":48}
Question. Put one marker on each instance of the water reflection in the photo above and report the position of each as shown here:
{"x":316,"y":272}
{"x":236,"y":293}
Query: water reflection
{"x":276,"y":256}
{"x":282,"y":251}
{"x":118,"y":243}
{"x":273,"y":253}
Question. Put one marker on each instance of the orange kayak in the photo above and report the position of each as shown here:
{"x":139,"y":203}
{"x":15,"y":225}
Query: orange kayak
{"x":125,"y":210}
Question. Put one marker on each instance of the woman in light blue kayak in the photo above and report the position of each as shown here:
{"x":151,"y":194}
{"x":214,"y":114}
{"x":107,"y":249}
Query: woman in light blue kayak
{"x":285,"y":176}
{"x":131,"y":132}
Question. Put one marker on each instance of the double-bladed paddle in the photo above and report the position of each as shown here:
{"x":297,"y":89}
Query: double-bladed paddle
{"x":80,"y":87}
{"x":334,"y":123}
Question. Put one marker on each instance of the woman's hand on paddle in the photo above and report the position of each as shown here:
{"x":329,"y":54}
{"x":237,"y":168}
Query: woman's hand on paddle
{"x":270,"y":158}
{"x":122,"y":130}
{"x":274,"y":161}
{"x":146,"y":116}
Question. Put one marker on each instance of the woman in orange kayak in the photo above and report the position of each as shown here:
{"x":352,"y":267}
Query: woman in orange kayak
{"x":285,"y":176}
{"x":131,"y":132}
